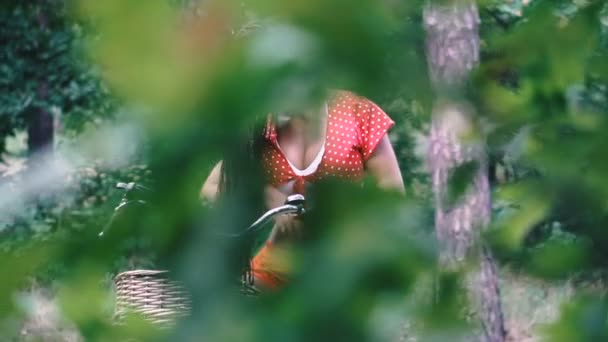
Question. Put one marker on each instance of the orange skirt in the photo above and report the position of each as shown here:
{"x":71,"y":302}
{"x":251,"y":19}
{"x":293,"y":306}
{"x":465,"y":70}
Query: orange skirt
{"x":271,"y":266}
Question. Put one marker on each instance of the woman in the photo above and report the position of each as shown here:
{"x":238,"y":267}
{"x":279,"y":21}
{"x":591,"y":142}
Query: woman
{"x":346,"y":139}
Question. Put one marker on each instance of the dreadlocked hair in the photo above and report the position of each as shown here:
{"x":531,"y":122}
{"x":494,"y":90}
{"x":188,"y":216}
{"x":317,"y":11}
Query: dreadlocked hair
{"x":241,"y":188}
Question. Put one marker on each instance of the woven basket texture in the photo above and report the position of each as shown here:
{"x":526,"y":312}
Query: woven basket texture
{"x":151,"y":294}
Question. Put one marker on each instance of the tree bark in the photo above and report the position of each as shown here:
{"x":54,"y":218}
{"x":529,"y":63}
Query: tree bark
{"x":40,"y":121}
{"x":40,"y":128}
{"x":452,"y":47}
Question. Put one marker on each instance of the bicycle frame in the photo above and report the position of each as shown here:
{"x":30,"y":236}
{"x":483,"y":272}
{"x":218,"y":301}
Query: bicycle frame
{"x":150,"y":292}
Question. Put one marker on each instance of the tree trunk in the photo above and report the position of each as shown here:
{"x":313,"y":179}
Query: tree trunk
{"x":452,"y":47}
{"x":40,"y":121}
{"x":40,"y":124}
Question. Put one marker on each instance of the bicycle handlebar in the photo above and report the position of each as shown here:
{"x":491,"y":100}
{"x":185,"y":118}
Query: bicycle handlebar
{"x":294,"y":204}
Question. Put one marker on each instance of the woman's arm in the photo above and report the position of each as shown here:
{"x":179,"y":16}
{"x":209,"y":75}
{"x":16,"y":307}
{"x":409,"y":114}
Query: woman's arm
{"x":383,"y":166}
{"x":286,"y":227}
{"x":211,"y":186}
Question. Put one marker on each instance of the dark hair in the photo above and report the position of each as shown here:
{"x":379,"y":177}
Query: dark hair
{"x":241,"y":189}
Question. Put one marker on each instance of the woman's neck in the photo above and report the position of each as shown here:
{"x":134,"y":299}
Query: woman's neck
{"x":308,"y":125}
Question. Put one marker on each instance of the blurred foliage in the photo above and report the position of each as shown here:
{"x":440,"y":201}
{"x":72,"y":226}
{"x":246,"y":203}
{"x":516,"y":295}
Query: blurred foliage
{"x":42,"y":43}
{"x":86,"y":201}
{"x":199,"y":73}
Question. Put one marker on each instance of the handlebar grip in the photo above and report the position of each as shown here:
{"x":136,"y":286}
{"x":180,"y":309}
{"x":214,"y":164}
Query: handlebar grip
{"x":295,"y":199}
{"x":125,"y":186}
{"x":131,"y":186}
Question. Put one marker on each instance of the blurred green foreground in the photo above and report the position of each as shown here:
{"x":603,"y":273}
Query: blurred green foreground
{"x":153,"y":92}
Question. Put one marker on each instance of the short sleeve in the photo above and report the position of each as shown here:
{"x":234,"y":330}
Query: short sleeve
{"x":372,"y":124}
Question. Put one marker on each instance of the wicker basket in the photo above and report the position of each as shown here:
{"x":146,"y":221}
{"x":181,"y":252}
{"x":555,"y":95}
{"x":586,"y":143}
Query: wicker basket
{"x":151,"y":294}
{"x":157,"y":298}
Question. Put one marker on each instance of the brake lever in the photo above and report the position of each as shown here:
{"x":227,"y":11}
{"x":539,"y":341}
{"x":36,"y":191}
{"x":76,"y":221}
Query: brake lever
{"x":117,"y":210}
{"x":124,"y":201}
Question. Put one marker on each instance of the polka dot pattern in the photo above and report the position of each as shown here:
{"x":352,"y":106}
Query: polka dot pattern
{"x":355,"y":126}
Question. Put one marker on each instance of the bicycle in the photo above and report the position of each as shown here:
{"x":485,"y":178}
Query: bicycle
{"x":151,"y":292}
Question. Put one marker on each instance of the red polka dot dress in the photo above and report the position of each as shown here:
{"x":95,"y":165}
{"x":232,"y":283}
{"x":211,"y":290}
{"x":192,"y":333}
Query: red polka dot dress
{"x":355,"y":125}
